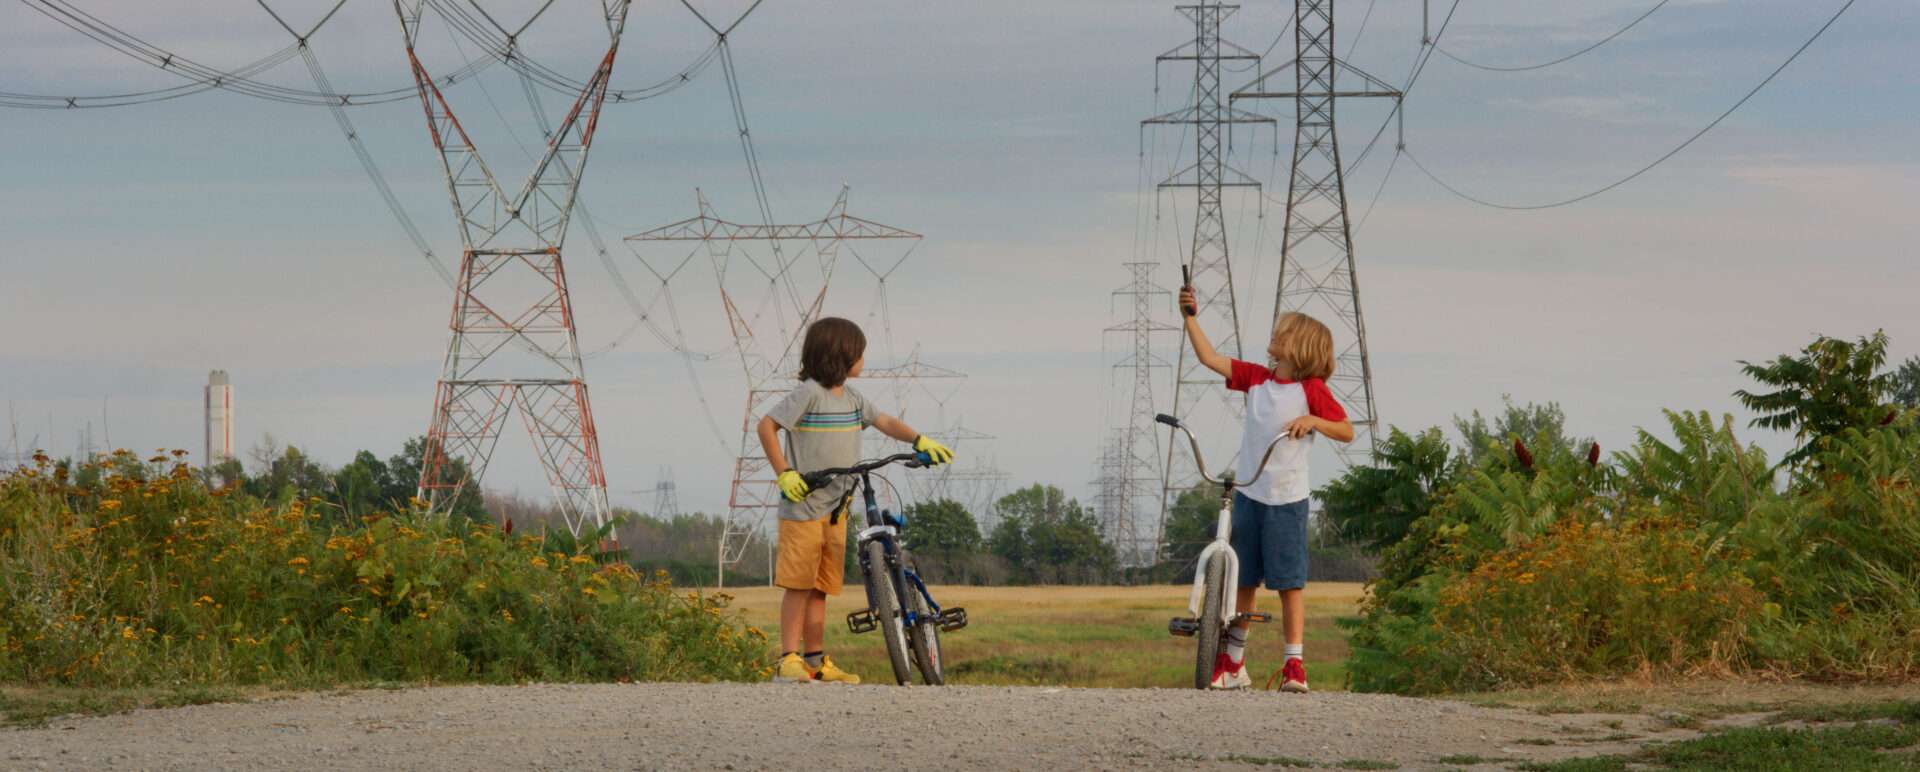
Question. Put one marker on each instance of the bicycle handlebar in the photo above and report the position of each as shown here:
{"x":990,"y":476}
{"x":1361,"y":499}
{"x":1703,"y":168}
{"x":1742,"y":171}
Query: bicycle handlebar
{"x":1198,"y":462}
{"x":820,"y":477}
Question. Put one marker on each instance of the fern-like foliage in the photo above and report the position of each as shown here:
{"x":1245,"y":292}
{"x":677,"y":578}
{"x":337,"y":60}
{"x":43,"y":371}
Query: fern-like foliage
{"x":1830,"y":386}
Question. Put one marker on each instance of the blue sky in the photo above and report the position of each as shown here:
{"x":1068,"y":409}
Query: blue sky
{"x":150,"y":244}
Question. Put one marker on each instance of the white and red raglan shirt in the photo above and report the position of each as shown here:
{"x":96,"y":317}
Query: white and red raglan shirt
{"x":1271,"y":405}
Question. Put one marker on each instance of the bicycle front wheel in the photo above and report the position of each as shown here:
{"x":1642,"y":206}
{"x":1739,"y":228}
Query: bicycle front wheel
{"x":884,"y":598}
{"x":1212,"y":622}
{"x":925,"y":638}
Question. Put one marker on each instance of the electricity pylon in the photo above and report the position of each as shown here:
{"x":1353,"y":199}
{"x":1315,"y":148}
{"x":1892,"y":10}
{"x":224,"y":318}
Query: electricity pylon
{"x":1135,"y":472}
{"x":666,"y":496}
{"x":770,"y":362}
{"x":1209,"y":118}
{"x":1317,"y":274}
{"x":512,"y":291}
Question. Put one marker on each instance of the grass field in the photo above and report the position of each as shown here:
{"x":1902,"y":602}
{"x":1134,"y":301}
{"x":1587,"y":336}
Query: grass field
{"x":1074,"y":636}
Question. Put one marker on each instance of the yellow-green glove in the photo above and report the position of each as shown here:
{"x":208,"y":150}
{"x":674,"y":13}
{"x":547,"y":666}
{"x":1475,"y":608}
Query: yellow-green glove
{"x":939,"y":452}
{"x":792,"y":486}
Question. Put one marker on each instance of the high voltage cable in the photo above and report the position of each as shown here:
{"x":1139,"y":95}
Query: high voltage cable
{"x":1657,"y":161}
{"x":1568,"y":57}
{"x":242,"y":81}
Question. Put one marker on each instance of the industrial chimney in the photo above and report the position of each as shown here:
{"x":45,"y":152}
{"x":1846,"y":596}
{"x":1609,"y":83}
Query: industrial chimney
{"x":219,"y":418}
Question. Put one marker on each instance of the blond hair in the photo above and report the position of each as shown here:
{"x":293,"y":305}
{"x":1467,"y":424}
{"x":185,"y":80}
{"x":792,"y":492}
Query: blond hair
{"x":1304,"y":344}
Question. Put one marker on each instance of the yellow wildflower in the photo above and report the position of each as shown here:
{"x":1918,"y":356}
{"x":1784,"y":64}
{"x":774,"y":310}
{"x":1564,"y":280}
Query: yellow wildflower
{"x":539,"y":562}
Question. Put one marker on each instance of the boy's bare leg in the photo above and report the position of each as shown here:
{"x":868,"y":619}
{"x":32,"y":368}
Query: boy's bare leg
{"x":816,"y":630}
{"x":1244,"y":604}
{"x":793,"y":615}
{"x":1293,"y":615}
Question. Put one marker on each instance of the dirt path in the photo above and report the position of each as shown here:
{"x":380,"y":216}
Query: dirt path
{"x":765,"y":726}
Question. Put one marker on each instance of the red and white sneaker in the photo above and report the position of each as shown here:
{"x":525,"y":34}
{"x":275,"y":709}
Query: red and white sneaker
{"x":1293,"y":676}
{"x":1228,"y":674}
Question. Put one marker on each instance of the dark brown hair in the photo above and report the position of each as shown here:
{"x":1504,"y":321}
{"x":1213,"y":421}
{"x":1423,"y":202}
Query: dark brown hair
{"x":833,"y":344}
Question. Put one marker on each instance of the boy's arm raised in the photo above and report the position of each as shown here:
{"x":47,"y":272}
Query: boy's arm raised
{"x":1202,"y":348}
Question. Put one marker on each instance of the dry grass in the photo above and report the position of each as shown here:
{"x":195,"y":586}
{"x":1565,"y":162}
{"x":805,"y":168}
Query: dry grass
{"x":1075,"y":636}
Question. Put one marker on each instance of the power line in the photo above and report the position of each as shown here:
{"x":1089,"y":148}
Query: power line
{"x":204,"y":77}
{"x":1568,"y":57}
{"x":243,"y":81}
{"x":1656,"y":162}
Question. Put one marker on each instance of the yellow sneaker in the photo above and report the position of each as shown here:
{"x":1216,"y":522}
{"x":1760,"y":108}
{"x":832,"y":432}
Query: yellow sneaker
{"x":792,"y":670}
{"x":831,"y":674}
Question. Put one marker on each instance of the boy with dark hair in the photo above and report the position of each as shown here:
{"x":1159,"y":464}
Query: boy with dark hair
{"x":823,"y":418}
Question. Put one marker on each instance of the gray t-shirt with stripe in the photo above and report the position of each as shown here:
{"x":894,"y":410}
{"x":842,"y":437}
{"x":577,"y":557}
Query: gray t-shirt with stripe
{"x":823,"y":432}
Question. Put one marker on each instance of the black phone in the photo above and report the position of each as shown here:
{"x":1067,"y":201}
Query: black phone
{"x":1186,"y":282}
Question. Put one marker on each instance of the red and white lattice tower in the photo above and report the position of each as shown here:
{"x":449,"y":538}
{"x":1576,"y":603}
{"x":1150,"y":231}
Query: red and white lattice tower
{"x":512,"y":292}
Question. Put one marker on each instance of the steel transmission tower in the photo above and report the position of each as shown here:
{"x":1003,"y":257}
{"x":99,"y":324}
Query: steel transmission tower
{"x":1135,"y":474}
{"x":512,"y":291}
{"x":770,"y":362}
{"x":1317,"y":274}
{"x":666,"y":496}
{"x":1209,"y":119}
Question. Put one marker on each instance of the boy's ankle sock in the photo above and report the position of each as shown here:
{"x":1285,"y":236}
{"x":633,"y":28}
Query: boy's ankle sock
{"x":814,"y":658}
{"x":1296,"y":651}
{"x":1237,"y":644}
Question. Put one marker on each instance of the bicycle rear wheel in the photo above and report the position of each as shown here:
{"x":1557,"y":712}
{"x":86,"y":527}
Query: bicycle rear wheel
{"x":1212,"y":622}
{"x":925,"y":638}
{"x":883,"y":597}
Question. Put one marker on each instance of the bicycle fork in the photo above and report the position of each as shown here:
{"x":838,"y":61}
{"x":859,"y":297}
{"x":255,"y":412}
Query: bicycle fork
{"x":1188,"y":626}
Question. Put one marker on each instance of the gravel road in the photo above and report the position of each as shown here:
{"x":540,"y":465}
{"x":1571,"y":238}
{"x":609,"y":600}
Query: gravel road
{"x":811,"y":726}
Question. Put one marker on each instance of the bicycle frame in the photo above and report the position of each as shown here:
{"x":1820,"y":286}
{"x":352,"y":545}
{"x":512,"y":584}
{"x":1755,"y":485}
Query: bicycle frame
{"x":905,"y":580}
{"x":1222,"y":533}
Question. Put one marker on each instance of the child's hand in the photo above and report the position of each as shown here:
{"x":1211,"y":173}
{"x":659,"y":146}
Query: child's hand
{"x":792,"y":486}
{"x":1302,"y":426}
{"x":1188,"y":304}
{"x":938,"y":452}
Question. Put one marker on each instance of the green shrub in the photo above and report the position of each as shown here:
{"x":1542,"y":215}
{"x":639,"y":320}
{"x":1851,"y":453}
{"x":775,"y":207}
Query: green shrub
{"x":130,"y":574}
{"x":1677,"y":555}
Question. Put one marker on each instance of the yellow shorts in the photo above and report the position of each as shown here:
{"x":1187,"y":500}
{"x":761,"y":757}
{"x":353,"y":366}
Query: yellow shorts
{"x":813,"y":554}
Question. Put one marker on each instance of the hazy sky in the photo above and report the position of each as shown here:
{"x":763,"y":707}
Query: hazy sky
{"x":148,"y":245}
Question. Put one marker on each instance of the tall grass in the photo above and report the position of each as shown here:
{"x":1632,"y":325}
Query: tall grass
{"x":127,"y":573}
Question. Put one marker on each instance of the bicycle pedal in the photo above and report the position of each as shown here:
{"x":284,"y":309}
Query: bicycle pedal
{"x":952,"y":619}
{"x":1253,"y":616}
{"x":1183,"y":626}
{"x":862,"y":621}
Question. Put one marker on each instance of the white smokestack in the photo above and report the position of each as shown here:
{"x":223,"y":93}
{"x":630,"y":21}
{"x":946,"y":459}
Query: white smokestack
{"x":219,"y":418}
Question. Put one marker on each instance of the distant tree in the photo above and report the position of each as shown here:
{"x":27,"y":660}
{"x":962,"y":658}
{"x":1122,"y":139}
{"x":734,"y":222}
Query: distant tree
{"x":290,"y":476}
{"x":1906,"y":383}
{"x":366,"y":486}
{"x":404,"y":481}
{"x":1048,"y":537}
{"x":1832,"y":385}
{"x":1375,"y":505}
{"x":1539,"y":426}
{"x":1190,"y":527}
{"x":943,"y":528}
{"x":946,"y":541}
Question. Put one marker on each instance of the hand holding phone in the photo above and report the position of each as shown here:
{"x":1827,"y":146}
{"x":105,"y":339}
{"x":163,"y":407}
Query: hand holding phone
{"x":1188,"y":305}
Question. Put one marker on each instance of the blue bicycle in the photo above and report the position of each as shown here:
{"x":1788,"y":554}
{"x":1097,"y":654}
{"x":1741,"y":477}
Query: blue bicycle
{"x":898,"y":603}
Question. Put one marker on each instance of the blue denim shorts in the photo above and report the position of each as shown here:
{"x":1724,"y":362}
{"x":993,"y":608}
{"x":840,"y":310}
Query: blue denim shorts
{"x":1271,"y":541}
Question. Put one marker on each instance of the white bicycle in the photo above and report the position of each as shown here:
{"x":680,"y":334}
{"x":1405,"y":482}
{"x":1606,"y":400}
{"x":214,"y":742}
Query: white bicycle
{"x":1216,"y":575}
